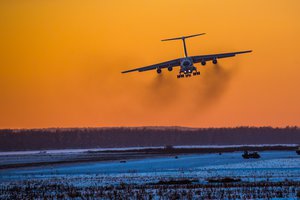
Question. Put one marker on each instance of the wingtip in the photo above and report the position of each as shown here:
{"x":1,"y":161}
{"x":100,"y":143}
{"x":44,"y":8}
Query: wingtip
{"x":247,"y":51}
{"x":127,"y":71}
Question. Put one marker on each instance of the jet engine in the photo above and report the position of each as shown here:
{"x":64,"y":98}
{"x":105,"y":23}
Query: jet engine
{"x":215,"y":61}
{"x":158,"y":70}
{"x":170,"y":68}
{"x":203,"y":62}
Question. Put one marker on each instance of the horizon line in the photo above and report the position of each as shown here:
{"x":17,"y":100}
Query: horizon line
{"x":154,"y":127}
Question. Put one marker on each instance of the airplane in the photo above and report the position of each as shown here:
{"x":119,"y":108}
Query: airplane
{"x":186,"y":63}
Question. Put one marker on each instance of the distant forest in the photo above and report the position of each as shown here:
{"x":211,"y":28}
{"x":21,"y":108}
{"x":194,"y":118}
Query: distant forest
{"x":66,"y":138}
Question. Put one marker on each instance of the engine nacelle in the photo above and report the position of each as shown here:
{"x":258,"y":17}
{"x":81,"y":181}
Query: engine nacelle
{"x":214,"y":61}
{"x":158,"y":70}
{"x":203,"y":62}
{"x":170,"y":69}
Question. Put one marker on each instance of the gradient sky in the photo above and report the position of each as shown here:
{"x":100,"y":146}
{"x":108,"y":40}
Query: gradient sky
{"x":60,"y":63}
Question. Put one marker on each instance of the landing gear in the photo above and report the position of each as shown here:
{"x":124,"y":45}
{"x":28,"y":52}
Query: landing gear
{"x":181,"y":75}
{"x":196,"y":73}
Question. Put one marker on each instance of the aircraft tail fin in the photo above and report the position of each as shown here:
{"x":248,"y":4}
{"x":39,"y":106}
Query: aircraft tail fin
{"x":183,"y":41}
{"x":183,"y":37}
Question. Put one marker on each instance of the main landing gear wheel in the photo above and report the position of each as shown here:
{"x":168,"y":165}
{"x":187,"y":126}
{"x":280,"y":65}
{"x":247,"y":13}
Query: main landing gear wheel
{"x":180,"y":75}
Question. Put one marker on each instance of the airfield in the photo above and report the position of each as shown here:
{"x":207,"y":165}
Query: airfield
{"x":136,"y":173}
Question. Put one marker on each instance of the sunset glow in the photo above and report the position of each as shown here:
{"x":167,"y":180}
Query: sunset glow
{"x":61,"y":63}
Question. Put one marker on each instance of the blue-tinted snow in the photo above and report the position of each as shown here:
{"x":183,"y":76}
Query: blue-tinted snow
{"x":273,"y":165}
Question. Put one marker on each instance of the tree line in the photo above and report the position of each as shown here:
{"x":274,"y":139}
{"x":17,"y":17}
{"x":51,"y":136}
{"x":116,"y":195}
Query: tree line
{"x":64,"y":138}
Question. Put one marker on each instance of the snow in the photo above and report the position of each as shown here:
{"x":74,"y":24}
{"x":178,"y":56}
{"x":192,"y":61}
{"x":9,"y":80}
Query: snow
{"x":282,"y":167}
{"x":273,"y":165}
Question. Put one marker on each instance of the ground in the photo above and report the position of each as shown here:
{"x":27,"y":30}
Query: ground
{"x":184,"y":176}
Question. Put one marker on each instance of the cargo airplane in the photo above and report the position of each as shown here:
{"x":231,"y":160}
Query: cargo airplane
{"x":186,"y":63}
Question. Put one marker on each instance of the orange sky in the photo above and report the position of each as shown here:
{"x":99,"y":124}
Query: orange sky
{"x":60,"y":63}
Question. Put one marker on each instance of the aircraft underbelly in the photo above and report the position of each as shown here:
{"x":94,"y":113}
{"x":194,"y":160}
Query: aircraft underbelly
{"x":187,"y":68}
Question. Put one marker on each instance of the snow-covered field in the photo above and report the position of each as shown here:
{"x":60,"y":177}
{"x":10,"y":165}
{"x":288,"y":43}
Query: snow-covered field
{"x":274,"y":168}
{"x":275,"y":165}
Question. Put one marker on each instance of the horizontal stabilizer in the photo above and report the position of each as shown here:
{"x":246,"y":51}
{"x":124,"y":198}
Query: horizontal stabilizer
{"x":183,"y":37}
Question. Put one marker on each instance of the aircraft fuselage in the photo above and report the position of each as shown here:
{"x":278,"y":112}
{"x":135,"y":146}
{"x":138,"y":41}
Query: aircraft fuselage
{"x":187,"y":68}
{"x":186,"y":65}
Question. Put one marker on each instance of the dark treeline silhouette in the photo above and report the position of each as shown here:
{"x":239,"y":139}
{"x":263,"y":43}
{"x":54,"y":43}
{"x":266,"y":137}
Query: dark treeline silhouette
{"x":66,"y":138}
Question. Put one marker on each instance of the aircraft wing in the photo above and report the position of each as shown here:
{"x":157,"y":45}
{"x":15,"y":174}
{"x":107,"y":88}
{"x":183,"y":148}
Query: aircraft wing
{"x":171,"y":63}
{"x":197,"y":59}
